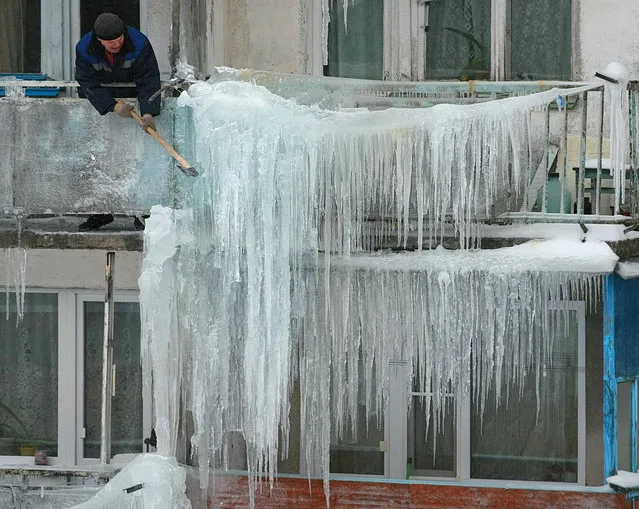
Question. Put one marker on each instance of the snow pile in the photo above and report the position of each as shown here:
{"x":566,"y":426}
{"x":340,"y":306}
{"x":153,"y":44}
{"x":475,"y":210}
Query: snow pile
{"x":624,"y":480}
{"x":237,"y":303}
{"x":150,"y":481}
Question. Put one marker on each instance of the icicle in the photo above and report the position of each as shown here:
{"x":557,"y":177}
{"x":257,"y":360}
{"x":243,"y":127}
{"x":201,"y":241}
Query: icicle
{"x":222,"y":282}
{"x":618,"y":99}
{"x":16,"y":273}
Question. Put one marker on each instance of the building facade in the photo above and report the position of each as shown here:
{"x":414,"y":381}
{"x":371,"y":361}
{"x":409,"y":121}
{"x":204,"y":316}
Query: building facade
{"x":51,"y":359}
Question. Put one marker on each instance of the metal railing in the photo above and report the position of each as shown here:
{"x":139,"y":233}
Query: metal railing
{"x":571,"y":184}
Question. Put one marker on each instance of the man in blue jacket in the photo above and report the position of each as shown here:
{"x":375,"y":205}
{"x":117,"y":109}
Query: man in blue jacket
{"x":115,"y":53}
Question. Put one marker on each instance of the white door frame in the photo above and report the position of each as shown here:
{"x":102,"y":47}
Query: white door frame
{"x":79,"y":431}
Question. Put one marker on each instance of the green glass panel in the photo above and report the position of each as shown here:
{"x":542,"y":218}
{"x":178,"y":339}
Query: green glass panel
{"x":458,"y":40}
{"x":29,"y":375}
{"x":541,"y":38}
{"x":513,"y":442}
{"x":357,"y":49}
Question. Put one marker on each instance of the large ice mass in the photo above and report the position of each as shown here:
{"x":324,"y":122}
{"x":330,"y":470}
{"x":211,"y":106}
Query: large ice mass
{"x":263,"y":277}
{"x":148,"y":481}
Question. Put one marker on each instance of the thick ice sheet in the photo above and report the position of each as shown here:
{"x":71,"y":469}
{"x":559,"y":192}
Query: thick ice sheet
{"x":237,"y":303}
{"x":162,"y":483}
{"x":538,"y":256}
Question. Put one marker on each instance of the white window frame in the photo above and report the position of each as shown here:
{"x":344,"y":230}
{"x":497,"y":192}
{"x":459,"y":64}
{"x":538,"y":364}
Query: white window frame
{"x":80,"y":432}
{"x":62,"y":362}
{"x":395,"y":445}
{"x":398,"y":415}
{"x":71,"y":374}
{"x":60,"y":32}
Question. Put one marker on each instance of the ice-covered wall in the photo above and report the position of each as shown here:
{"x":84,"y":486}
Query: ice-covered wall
{"x":61,"y":156}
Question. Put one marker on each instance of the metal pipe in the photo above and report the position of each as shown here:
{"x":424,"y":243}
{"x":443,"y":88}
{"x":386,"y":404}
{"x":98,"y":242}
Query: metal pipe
{"x":582,"y":155}
{"x":564,"y":165}
{"x":599,"y":156}
{"x":544,"y":194}
{"x":107,"y":362}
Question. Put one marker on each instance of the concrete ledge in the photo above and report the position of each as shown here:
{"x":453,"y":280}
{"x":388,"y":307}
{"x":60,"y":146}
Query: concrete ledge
{"x":62,"y":233}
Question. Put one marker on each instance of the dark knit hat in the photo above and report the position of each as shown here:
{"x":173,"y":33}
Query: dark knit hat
{"x":108,"y":26}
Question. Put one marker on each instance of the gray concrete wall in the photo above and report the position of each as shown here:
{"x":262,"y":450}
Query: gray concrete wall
{"x":61,"y":156}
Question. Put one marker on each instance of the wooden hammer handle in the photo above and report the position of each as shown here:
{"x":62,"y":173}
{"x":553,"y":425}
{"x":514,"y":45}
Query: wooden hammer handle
{"x":153,"y":133}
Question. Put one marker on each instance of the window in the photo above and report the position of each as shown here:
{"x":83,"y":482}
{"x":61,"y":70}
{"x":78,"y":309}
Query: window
{"x":510,"y":441}
{"x":540,"y":41}
{"x":20,"y":28}
{"x":432,"y":442}
{"x":51,"y":377}
{"x":356,"y":47}
{"x":128,"y":10}
{"x":127,"y":434}
{"x":451,"y":40}
{"x":524,"y":439}
{"x":29,"y":375}
{"x":458,"y":40}
{"x":357,"y":450}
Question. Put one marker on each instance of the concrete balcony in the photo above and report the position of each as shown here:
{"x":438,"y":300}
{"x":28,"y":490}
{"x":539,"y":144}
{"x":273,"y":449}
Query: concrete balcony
{"x":62,"y":160}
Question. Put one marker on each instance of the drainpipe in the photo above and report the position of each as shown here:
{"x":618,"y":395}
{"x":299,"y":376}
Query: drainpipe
{"x":107,"y":363}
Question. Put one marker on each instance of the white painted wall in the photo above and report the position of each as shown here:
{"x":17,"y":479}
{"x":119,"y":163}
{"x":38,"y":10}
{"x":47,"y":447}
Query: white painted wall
{"x":606,"y":31}
{"x":75,"y":269}
{"x":265,"y":34}
{"x":155,"y":20}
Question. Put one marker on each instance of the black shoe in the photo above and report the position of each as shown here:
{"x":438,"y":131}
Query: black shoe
{"x":137,"y":224}
{"x":95,"y":221}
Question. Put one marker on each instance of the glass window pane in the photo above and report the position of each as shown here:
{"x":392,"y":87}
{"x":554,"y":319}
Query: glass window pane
{"x":541,"y":32}
{"x":20,"y":29}
{"x":431,"y":453}
{"x":126,"y":418}
{"x":458,"y":39}
{"x":513,"y":443}
{"x":29,"y":375}
{"x":357,"y":451}
{"x":357,"y":50}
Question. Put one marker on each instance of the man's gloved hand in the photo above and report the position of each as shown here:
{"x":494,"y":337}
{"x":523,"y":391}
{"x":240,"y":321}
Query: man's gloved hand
{"x":147,"y":121}
{"x":123,"y":109}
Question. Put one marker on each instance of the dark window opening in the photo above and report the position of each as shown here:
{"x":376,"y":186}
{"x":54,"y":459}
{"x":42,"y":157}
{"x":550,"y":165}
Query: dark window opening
{"x":128,"y":10}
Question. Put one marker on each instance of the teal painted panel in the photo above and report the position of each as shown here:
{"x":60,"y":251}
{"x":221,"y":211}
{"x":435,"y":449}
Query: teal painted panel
{"x":626,"y":328}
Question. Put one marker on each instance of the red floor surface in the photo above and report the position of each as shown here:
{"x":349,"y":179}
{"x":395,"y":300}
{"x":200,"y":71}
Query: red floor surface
{"x":288,"y":493}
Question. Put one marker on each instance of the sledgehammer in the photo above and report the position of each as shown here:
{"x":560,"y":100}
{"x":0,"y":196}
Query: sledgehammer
{"x":184,"y":166}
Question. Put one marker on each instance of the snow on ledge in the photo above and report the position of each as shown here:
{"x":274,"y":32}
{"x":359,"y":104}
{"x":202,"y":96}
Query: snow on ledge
{"x":624,"y":480}
{"x":148,"y":481}
{"x":629,"y":268}
{"x":555,"y":255}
